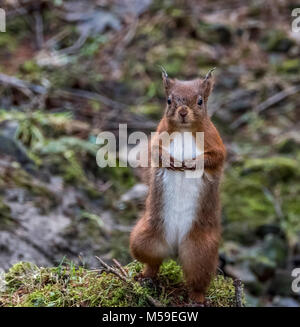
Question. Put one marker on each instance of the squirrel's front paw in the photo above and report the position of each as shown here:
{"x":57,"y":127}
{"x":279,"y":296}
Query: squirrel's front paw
{"x":189,"y":164}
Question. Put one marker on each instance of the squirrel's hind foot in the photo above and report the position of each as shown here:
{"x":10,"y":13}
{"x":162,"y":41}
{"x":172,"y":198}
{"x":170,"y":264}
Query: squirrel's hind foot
{"x":197,"y":297}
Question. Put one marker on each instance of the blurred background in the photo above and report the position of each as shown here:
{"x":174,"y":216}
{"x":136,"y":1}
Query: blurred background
{"x":71,"y":69}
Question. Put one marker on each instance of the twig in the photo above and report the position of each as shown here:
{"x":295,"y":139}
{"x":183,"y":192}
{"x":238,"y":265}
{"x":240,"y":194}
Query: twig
{"x":147,"y":125}
{"x":51,"y":43}
{"x":39,"y":29}
{"x":127,"y":280}
{"x":238,"y":292}
{"x":16,"y":12}
{"x":76,"y":46}
{"x":26,"y":87}
{"x":129,"y":36}
{"x":92,"y":96}
{"x":154,"y":302}
{"x":112,"y":270}
{"x":274,"y":99}
{"x":277,"y":98}
{"x":120,"y":267}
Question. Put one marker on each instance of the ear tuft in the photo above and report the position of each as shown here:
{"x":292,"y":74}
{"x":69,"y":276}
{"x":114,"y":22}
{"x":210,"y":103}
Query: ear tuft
{"x":208,"y":84}
{"x":209,"y":74}
{"x":166,"y":80}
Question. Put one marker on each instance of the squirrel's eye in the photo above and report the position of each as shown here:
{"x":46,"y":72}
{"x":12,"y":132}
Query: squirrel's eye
{"x":199,"y":101}
{"x":169,"y":100}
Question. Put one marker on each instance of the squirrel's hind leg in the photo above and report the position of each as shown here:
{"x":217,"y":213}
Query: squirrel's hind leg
{"x":198,"y":254}
{"x":147,"y":246}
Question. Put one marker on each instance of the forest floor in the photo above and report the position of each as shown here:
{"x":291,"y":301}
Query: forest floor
{"x":70,"y":70}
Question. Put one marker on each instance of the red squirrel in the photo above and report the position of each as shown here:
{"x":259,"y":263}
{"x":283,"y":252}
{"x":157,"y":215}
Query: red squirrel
{"x":182,"y":215}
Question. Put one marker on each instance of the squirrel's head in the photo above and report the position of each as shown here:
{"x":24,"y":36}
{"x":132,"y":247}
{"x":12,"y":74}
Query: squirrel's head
{"x":187,"y":100}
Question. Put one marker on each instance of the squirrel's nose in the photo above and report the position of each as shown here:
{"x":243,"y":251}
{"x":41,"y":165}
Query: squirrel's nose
{"x":183,"y":112}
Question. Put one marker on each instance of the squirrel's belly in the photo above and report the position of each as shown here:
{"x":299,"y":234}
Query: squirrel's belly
{"x":181,"y":199}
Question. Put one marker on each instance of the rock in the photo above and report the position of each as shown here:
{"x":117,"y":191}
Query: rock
{"x":271,"y":255}
{"x":263,"y":269}
{"x":296,"y":259}
{"x":136,"y":194}
{"x":252,"y":301}
{"x":264,"y":230}
{"x":2,"y":281}
{"x":242,"y":272}
{"x":13,"y":249}
{"x":12,"y":147}
{"x":275,"y":249}
{"x":281,"y":283}
{"x":231,"y":251}
{"x":285,"y":302}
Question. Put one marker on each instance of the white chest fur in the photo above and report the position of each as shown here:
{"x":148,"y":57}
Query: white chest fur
{"x":181,"y":195}
{"x":183,"y":146}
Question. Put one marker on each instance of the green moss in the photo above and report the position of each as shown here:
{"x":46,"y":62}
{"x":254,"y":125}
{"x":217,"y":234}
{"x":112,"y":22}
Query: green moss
{"x":221,"y":292}
{"x":275,"y":169}
{"x":252,"y":193}
{"x":7,"y":42}
{"x":122,"y":178}
{"x":32,"y":71}
{"x":245,"y":206}
{"x":21,"y":178}
{"x":65,"y":155}
{"x":22,"y":273}
{"x":76,"y":72}
{"x":172,"y":59}
{"x":171,"y":273}
{"x":36,"y":125}
{"x":67,"y":285}
{"x":289,"y":66}
{"x":288,"y":145}
{"x":5,"y":215}
{"x":92,"y":45}
{"x":214,"y":33}
{"x":276,"y":40}
{"x":152,"y":110}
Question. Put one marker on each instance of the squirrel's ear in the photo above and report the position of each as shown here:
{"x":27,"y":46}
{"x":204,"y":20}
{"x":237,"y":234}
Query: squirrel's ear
{"x":166,"y":80}
{"x":207,"y":84}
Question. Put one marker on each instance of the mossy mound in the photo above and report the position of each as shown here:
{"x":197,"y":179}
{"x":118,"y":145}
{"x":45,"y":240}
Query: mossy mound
{"x":25,"y":284}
